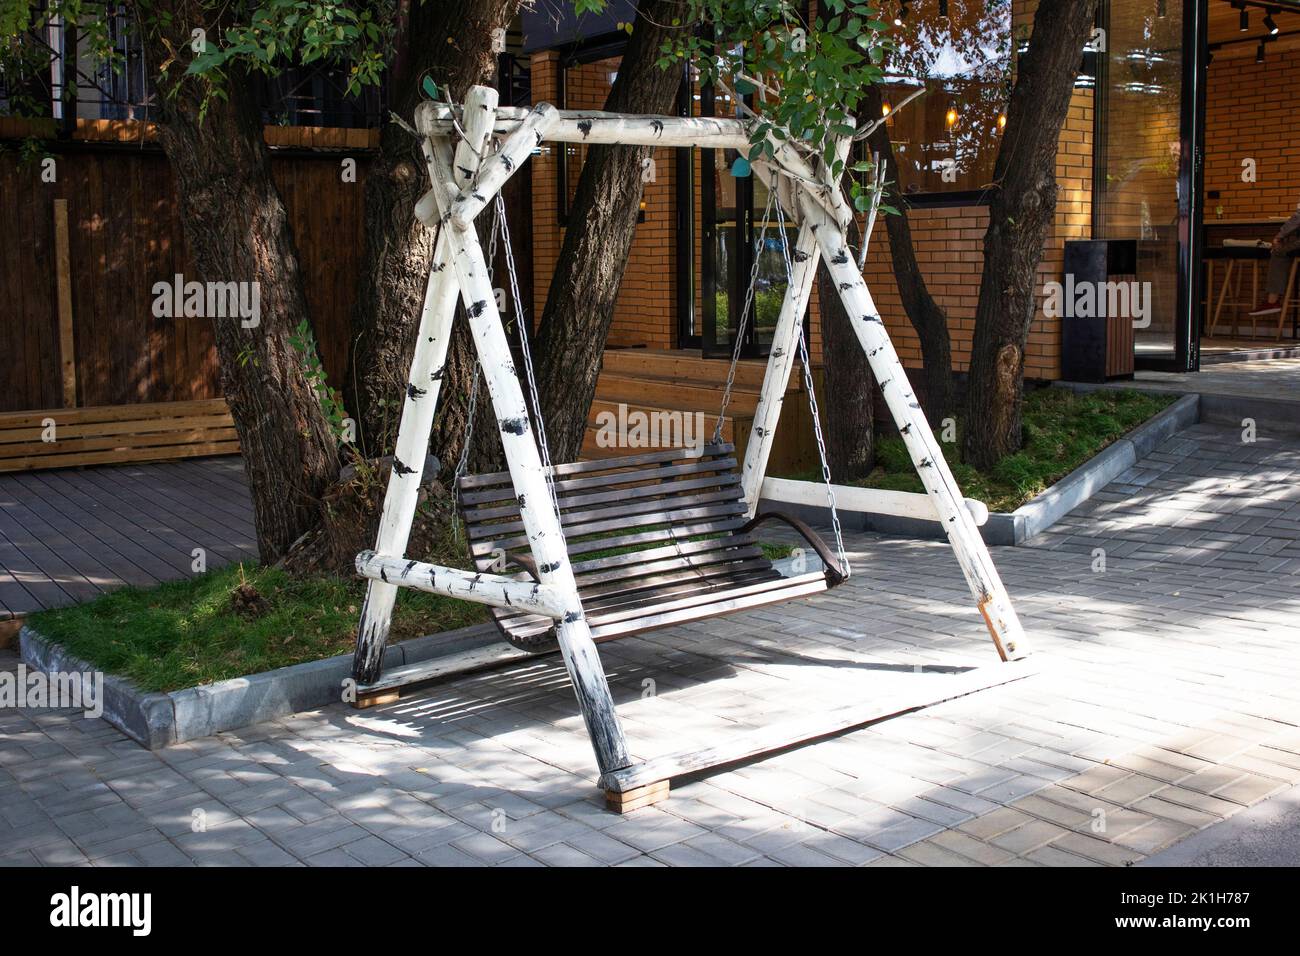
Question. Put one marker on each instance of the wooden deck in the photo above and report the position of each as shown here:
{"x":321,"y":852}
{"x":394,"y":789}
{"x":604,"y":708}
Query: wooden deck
{"x":69,"y":535}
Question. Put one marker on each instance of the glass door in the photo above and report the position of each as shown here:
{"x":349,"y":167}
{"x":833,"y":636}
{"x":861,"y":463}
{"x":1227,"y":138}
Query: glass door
{"x":732,"y":226}
{"x":1148,"y":158}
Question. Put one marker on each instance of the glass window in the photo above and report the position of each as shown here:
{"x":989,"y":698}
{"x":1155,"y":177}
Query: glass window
{"x":947,"y":139}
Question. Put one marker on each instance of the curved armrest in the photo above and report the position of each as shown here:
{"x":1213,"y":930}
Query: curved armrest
{"x":835,"y":572}
{"x":525,"y":561}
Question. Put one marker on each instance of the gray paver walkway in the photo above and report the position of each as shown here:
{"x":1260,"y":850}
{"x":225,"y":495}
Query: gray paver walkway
{"x":1170,"y":700}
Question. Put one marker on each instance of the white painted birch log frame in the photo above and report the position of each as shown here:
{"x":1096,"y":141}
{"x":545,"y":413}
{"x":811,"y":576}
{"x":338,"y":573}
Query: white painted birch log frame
{"x":493,"y":589}
{"x":927,"y":455}
{"x":536,"y":506}
{"x":463,"y":184}
{"x":876,"y":501}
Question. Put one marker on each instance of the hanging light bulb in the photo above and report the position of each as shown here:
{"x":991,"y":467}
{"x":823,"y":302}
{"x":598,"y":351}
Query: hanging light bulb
{"x":902,"y":13}
{"x":886,"y":109}
{"x":1259,"y":52}
{"x":1002,"y":122}
{"x":951,"y":117}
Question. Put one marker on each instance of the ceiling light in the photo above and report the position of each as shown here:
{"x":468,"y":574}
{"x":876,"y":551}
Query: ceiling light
{"x":943,"y":8}
{"x":1244,"y":24}
{"x":902,"y":14}
{"x":1259,"y":52}
{"x":1271,"y":24}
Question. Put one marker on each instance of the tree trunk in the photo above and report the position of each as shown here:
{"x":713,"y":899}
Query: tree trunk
{"x":1020,"y":214}
{"x":848,"y":388}
{"x":602,"y":221}
{"x":925,"y":314}
{"x":450,"y":40}
{"x":237,"y":230}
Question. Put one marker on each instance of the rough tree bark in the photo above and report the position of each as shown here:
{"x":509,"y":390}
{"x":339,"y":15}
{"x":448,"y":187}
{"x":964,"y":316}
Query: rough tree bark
{"x":450,"y":40}
{"x":1020,"y":214}
{"x":602,"y":220}
{"x":848,"y":390}
{"x":236,"y":230}
{"x":926,"y":315}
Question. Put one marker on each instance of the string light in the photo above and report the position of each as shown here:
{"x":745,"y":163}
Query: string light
{"x":952,"y":116}
{"x":1002,"y":122}
{"x":886,"y":109}
{"x":902,"y":13}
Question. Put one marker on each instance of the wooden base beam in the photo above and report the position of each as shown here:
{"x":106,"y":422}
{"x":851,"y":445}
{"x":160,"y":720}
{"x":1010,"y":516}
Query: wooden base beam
{"x":389,"y":687}
{"x":803,"y":730}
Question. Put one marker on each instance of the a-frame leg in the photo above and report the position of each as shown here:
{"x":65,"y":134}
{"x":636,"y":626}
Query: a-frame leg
{"x":927,"y":455}
{"x":780,"y":361}
{"x":541,"y":522}
{"x":423,"y":385}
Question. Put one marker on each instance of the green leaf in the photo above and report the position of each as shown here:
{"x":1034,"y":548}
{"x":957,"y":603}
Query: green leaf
{"x":430,"y":88}
{"x":740,"y":168}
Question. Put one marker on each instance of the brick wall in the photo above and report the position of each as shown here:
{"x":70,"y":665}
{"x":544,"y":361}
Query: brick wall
{"x":1251,"y":112}
{"x":949,"y":241}
{"x":647,"y":301}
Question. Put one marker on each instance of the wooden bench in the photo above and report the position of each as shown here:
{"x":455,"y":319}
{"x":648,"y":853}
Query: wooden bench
{"x":656,"y":539}
{"x":115,"y":434}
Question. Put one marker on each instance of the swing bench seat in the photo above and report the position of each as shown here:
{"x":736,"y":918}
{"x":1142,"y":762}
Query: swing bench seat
{"x":655,"y":539}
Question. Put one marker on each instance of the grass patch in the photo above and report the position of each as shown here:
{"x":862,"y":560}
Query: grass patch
{"x":186,"y":633}
{"x":1062,"y":430}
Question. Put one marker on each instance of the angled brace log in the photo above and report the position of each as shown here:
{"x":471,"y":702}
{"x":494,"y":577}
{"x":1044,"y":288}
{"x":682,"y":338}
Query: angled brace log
{"x":536,"y":508}
{"x":493,"y":173}
{"x":927,"y":455}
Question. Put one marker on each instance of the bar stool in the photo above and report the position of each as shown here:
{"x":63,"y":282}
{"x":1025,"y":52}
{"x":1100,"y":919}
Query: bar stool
{"x":1233,"y":255}
{"x":1289,"y":300}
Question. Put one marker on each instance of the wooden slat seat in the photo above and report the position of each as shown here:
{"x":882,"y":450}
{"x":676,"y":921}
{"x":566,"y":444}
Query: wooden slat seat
{"x":656,"y":539}
{"x":116,"y":434}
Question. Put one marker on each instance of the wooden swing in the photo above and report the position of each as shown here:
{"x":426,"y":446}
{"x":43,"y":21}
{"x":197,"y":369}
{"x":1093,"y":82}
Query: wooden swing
{"x":577,"y":553}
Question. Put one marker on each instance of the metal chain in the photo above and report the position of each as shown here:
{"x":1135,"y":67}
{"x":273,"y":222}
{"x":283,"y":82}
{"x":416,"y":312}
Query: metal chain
{"x":516,"y":301}
{"x":812,"y":403}
{"x":744,"y":319}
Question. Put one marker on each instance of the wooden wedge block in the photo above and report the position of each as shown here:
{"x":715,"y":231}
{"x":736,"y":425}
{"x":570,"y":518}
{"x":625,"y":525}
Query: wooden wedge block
{"x":635,"y":799}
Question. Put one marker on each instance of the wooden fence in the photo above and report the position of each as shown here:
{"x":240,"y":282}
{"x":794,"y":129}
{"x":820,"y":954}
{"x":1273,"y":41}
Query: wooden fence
{"x":123,"y":234}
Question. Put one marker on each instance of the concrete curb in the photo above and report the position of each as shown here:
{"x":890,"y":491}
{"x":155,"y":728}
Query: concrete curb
{"x":1045,"y":510}
{"x":157,"y":720}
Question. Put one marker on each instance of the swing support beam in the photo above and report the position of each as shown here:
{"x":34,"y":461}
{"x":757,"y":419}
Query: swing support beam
{"x":465,"y":179}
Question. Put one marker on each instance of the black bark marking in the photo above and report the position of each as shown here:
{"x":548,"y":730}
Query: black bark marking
{"x":477,"y":308}
{"x":515,"y":426}
{"x":383,"y":575}
{"x":844,"y":286}
{"x":410,"y":565}
{"x":872,"y":318}
{"x":521,"y":502}
{"x":657,"y":126}
{"x":401,"y":468}
{"x":841,"y":258}
{"x":414,"y":392}
{"x":507,"y":162}
{"x":800,"y":255}
{"x":469,"y":173}
{"x":549,"y":567}
{"x":906,"y":429}
{"x":572,"y":617}
{"x":584,"y":127}
{"x":538,"y":136}
{"x":437,"y":374}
